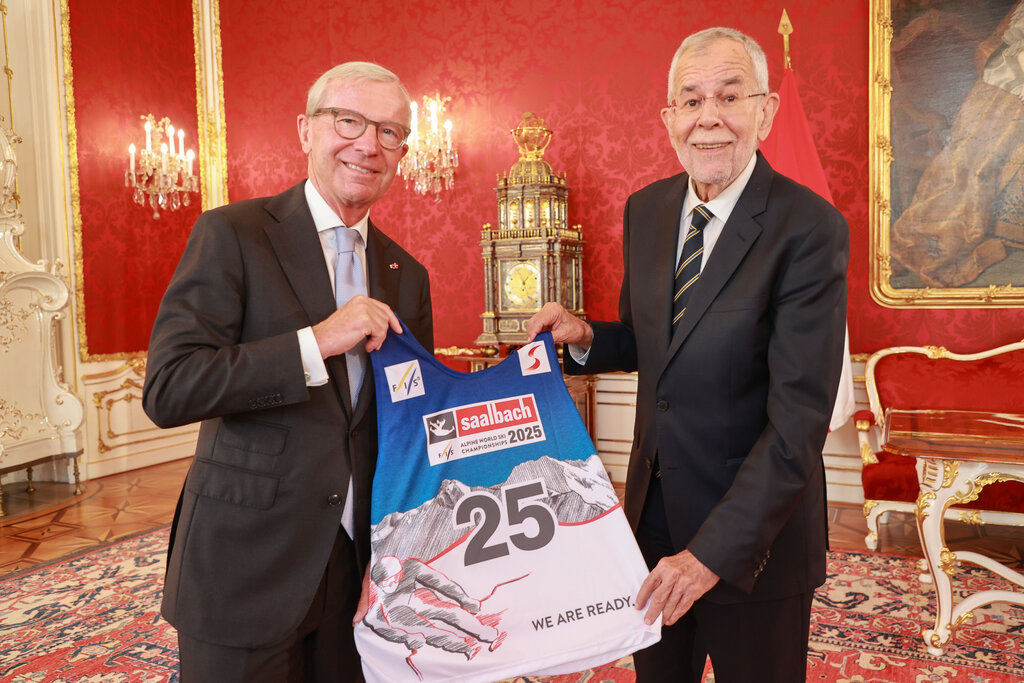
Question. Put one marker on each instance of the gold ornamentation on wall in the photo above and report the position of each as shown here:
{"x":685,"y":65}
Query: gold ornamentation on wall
{"x":12,"y":321}
{"x":14,"y":423}
{"x":117,"y":401}
{"x":210,"y":103}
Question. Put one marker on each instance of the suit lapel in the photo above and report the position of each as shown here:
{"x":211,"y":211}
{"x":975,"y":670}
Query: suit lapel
{"x":297,"y":245}
{"x":738,"y":236}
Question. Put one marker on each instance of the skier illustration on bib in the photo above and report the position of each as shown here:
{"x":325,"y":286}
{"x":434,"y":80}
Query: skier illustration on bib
{"x":416,"y":605}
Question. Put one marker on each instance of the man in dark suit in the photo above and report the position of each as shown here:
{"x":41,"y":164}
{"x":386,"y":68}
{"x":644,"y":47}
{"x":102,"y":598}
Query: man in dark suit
{"x":738,"y":361}
{"x":259,"y":339}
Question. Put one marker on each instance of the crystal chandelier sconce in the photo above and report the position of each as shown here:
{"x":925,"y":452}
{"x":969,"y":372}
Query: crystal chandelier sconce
{"x":429,"y":167}
{"x":162,"y":175}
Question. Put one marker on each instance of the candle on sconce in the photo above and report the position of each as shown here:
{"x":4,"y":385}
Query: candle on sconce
{"x":163,"y":176}
{"x":429,"y":165}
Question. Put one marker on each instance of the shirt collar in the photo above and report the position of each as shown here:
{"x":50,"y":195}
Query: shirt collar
{"x":324,"y":217}
{"x":722,"y":205}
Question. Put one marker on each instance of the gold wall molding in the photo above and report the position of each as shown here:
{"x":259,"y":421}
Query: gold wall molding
{"x":76,"y":195}
{"x":107,"y":403}
{"x":117,"y":399}
{"x":210,"y":103}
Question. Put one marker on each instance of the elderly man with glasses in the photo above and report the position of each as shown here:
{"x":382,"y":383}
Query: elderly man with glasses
{"x":262,"y":336}
{"x":732,"y":313}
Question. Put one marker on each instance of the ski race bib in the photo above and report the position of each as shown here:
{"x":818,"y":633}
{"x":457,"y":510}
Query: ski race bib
{"x":499,"y":547}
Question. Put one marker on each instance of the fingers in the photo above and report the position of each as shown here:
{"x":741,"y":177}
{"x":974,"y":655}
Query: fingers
{"x":672,"y":587}
{"x":394,"y":322}
{"x":667,"y":598}
{"x":565,"y":327}
{"x":543,"y":320}
{"x":646,"y":590}
{"x":382,"y":319}
{"x":360,"y":320}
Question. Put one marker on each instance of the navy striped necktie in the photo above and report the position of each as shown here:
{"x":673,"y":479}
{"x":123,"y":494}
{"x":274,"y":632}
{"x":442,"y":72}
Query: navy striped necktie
{"x":688,"y":270}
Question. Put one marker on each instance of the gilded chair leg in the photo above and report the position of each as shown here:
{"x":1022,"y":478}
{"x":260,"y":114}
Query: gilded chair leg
{"x":871,"y":519}
{"x":31,"y":487}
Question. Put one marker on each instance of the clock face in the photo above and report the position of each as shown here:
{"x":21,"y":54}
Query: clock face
{"x":521,"y":284}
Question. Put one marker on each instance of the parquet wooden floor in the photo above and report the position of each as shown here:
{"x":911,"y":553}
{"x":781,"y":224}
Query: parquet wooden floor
{"x":51,"y":523}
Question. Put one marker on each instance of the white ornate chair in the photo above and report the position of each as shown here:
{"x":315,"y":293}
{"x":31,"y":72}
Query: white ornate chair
{"x":931,"y":377}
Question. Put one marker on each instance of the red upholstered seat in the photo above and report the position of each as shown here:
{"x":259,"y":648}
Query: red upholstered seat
{"x":916,"y":378}
{"x":893,"y":477}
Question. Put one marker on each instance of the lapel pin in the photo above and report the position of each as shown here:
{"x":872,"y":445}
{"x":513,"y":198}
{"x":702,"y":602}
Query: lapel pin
{"x":394,"y":266}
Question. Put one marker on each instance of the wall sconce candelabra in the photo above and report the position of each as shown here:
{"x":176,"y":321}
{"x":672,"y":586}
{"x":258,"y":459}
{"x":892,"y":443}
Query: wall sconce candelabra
{"x":430,"y":164}
{"x":165,"y":177}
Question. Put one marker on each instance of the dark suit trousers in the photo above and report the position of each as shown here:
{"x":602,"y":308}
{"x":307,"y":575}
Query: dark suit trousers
{"x":762,"y":641}
{"x":322,"y":649}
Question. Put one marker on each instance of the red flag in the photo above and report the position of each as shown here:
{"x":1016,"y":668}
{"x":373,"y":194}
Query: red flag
{"x":790,"y":149}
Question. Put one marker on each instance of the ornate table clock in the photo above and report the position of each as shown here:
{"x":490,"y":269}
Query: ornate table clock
{"x":532,"y":256}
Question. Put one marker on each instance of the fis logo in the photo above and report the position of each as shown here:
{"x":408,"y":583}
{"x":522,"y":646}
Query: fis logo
{"x":404,"y":380}
{"x":533,"y":359}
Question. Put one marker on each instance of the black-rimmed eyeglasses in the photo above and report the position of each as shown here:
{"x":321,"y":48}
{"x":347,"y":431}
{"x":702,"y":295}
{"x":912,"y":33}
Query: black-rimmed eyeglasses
{"x":351,"y":125}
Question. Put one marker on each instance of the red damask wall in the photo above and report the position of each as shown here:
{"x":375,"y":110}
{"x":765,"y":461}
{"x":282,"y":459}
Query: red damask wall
{"x":596,"y":72}
{"x":129,"y":60}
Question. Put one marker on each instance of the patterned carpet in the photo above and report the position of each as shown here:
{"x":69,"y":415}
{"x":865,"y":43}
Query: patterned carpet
{"x":93,"y":618}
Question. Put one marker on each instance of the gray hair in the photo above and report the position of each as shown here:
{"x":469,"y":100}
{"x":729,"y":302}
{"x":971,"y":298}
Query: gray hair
{"x":351,"y":71}
{"x":702,"y":40}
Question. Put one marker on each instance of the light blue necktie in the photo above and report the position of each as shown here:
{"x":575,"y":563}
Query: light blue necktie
{"x":349,"y":280}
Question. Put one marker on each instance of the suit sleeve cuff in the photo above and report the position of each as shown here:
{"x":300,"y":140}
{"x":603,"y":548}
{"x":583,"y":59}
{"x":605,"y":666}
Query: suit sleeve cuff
{"x":578,"y":354}
{"x":312,"y":364}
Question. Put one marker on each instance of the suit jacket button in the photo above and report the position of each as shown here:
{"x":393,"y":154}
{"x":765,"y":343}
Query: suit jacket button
{"x":334,"y":500}
{"x":662,"y":406}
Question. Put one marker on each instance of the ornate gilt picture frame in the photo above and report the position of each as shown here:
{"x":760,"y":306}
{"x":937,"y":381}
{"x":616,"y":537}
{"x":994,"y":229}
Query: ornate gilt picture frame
{"x":946,"y":154}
